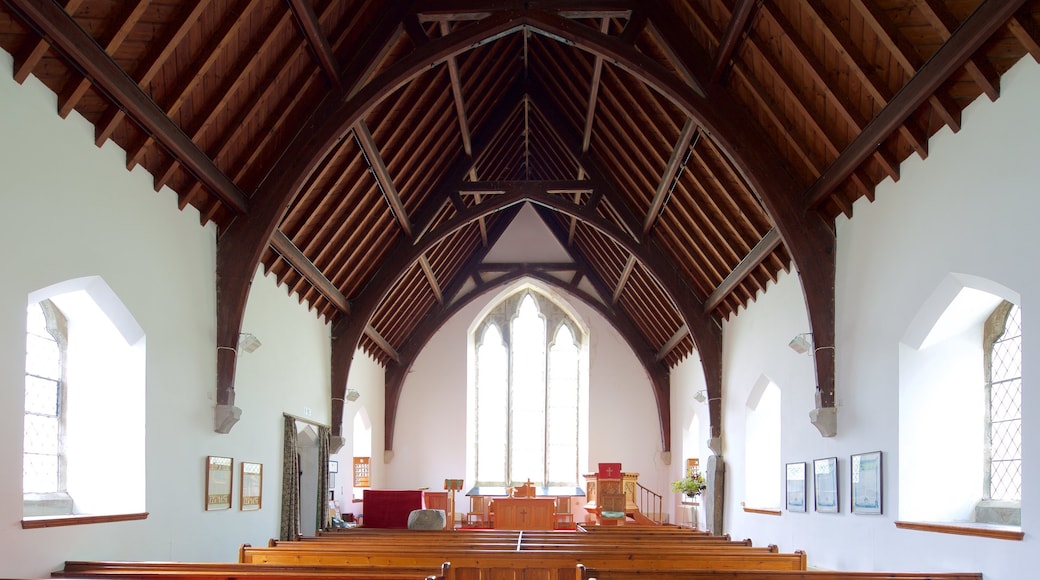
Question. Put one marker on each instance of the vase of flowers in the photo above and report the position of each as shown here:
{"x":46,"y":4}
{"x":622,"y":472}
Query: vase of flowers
{"x":690,"y":486}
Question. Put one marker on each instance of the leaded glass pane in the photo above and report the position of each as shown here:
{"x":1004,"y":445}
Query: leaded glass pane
{"x":563,"y":409}
{"x":41,"y":396}
{"x":41,"y":434}
{"x":532,"y":381}
{"x":42,"y":357}
{"x":40,"y":473}
{"x":527,"y":404}
{"x":1005,"y":412}
{"x":492,"y":402}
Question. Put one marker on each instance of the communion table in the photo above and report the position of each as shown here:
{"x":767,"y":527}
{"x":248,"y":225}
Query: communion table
{"x":524,"y":513}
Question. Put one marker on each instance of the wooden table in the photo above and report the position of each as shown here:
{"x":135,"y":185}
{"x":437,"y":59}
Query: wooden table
{"x":524,"y":513}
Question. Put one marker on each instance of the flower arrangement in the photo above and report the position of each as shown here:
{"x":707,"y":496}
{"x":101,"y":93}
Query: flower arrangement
{"x":691,"y":485}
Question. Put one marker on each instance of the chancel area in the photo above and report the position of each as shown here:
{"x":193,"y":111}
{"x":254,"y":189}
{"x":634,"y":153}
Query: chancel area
{"x":561,"y":289}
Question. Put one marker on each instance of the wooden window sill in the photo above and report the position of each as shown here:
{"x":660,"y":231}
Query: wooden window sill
{"x":78,"y":520}
{"x":763,"y":511}
{"x":967,"y":529}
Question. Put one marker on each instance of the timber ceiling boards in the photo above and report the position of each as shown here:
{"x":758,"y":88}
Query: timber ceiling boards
{"x":209,"y":95}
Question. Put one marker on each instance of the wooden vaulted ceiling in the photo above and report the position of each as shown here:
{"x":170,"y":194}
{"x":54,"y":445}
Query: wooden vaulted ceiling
{"x":369,"y":154}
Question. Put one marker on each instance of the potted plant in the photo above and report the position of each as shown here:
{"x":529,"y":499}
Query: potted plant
{"x":690,"y":486}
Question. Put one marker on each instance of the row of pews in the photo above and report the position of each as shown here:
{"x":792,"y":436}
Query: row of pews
{"x":600,"y":553}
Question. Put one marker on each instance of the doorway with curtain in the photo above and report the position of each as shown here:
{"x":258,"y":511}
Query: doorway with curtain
{"x":305,"y":478}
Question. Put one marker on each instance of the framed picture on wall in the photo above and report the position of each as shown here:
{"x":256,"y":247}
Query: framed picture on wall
{"x":252,"y":482}
{"x":825,"y":484}
{"x":219,"y":476}
{"x":866,"y":483}
{"x":796,"y":487}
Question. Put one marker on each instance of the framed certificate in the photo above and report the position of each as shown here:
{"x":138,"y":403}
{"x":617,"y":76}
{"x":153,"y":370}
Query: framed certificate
{"x":219,"y":476}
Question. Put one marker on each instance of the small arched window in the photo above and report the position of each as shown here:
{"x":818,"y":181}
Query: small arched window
{"x":1003,"y":366}
{"x":84,"y":406}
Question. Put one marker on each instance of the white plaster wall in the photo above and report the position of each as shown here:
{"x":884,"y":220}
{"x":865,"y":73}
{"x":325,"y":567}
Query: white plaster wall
{"x":368,"y":379}
{"x":970,"y":208}
{"x":73,"y":210}
{"x":430,"y":437}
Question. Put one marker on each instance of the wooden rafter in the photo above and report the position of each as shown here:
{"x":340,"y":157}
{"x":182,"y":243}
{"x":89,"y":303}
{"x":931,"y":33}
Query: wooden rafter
{"x":736,"y":28}
{"x":382,"y":343}
{"x":69,"y":98}
{"x":623,"y":279}
{"x":971,"y":35}
{"x":314,"y":276}
{"x":752,"y":260}
{"x":31,"y":56}
{"x":150,"y":67}
{"x":1026,"y":32}
{"x":981,"y":71}
{"x":206,"y":59}
{"x":303,"y":10}
{"x":858,"y":64}
{"x":231,"y":83}
{"x":382,"y":175}
{"x":671,"y":172}
{"x":431,"y":277}
{"x":672,"y":342}
{"x":905,"y":54}
{"x":80,"y":48}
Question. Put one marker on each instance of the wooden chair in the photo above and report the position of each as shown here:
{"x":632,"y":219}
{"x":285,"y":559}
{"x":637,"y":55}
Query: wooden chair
{"x":477,"y":516}
{"x":563,"y":517}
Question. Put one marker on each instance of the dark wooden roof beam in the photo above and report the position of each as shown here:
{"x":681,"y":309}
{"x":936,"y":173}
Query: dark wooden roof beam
{"x":889,"y":36}
{"x":635,"y":26}
{"x":70,"y":97}
{"x":672,"y":342}
{"x":944,"y":22}
{"x":85,"y":54}
{"x":508,"y":266}
{"x":149,"y":67}
{"x":206,"y":58}
{"x":382,"y":343}
{"x":303,"y":10}
{"x":230,"y":84}
{"x":1026,"y":31}
{"x":28,"y":58}
{"x":431,"y":277}
{"x":625,"y":274}
{"x":382,"y":175}
{"x":735,"y":30}
{"x":523,"y":186}
{"x":989,"y":17}
{"x":414,"y":29}
{"x":590,"y":107}
{"x":292,"y":254}
{"x":676,"y":163}
{"x":769,"y":242}
{"x":864,"y":70}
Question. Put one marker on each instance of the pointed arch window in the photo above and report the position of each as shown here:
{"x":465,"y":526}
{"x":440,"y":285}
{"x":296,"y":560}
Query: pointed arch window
{"x":1003,"y":443}
{"x":528,"y":411}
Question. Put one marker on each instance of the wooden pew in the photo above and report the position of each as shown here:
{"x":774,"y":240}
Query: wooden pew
{"x":238,"y":571}
{"x":600,"y":573}
{"x":547,"y":564}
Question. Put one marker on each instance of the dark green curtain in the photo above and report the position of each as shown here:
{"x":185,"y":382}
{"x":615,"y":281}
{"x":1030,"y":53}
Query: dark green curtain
{"x":290,"y":528}
{"x":323,"y":478}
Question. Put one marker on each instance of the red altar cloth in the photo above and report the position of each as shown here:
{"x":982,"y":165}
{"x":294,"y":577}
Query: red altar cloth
{"x":389,"y":508}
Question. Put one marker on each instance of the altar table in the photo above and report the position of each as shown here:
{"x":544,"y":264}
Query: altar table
{"x":524,"y":513}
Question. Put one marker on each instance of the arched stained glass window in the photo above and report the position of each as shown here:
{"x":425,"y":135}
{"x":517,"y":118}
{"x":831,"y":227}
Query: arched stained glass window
{"x":528,"y":409}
